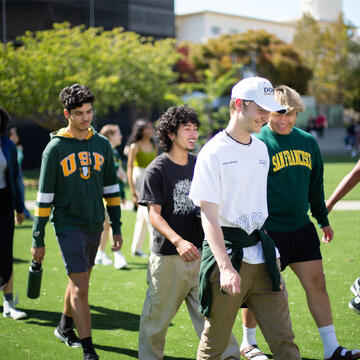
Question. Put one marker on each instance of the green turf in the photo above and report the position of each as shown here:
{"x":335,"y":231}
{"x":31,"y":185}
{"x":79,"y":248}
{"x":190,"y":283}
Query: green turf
{"x":116,"y":297}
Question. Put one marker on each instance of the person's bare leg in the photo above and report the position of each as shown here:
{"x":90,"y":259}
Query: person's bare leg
{"x":67,"y":306}
{"x":104,"y":236}
{"x":312,"y":278}
{"x":8,"y":288}
{"x":78,"y":289}
{"x":248,"y":318}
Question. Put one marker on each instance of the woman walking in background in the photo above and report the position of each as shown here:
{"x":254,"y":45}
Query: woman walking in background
{"x":113,"y":134}
{"x":10,"y":199}
{"x":142,"y":150}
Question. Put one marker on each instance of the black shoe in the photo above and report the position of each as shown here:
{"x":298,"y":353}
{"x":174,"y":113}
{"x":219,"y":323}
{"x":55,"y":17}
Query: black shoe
{"x":69,"y":337}
{"x":354,"y":304}
{"x":91,"y":356}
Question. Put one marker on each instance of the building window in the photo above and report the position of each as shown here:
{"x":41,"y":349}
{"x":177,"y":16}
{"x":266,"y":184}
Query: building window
{"x":215,"y":30}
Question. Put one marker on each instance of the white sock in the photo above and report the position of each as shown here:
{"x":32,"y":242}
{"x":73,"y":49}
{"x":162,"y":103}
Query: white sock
{"x":329,"y":340}
{"x":249,"y":337}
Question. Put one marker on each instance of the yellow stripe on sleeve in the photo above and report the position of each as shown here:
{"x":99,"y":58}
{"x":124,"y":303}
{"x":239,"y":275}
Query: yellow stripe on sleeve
{"x":42,"y":212}
{"x":112,"y":201}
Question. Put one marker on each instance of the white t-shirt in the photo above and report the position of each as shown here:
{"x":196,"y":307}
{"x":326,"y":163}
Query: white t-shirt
{"x":234,"y":176}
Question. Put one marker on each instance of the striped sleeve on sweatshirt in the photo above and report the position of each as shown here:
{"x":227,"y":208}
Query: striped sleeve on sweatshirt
{"x":41,"y":216}
{"x":111,"y":194}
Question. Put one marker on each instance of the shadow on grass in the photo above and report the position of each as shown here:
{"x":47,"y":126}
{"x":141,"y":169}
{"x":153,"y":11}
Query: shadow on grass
{"x":136,"y":266}
{"x":103,"y":319}
{"x":21,"y":261}
{"x":109,"y":319}
{"x":23,"y":227}
{"x":118,"y":350}
{"x":43,"y":318}
{"x":133,"y":353}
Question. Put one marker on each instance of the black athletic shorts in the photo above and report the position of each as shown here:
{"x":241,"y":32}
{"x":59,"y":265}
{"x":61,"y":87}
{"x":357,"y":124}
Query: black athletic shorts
{"x":297,"y":246}
{"x":78,"y":250}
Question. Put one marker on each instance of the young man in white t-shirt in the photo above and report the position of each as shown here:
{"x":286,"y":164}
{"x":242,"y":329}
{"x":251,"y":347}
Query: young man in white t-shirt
{"x":239,"y":261}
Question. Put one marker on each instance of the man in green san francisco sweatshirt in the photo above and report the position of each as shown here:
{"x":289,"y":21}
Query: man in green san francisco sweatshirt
{"x":77,"y":173}
{"x":295,"y":185}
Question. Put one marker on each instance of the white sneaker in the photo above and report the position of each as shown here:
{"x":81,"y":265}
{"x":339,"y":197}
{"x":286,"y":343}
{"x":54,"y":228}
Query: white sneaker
{"x":12,"y":312}
{"x":119,"y":260}
{"x":140,"y":253}
{"x":102,"y":259}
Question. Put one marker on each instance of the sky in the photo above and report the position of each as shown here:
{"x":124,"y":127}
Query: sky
{"x":263,"y":9}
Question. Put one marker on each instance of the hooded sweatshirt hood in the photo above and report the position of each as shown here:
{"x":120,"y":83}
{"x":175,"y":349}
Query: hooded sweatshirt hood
{"x":64,"y":133}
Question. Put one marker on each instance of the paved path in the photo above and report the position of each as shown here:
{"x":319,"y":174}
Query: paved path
{"x":347,"y":205}
{"x":341,"y":205}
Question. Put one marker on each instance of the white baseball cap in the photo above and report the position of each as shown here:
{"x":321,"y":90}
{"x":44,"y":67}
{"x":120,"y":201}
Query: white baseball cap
{"x":259,"y":90}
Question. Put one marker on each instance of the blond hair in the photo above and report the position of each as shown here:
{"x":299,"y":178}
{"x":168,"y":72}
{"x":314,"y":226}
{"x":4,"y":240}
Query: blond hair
{"x":109,"y":130}
{"x":289,"y":98}
{"x":232,"y":105}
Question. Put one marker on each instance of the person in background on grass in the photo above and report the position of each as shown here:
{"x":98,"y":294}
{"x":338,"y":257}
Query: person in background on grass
{"x":321,"y":124}
{"x":113,"y":134}
{"x":142,"y":150}
{"x":77,"y":172}
{"x":295,"y":185}
{"x":10,"y":200}
{"x":14,"y":137}
{"x":345,"y":185}
{"x":174,"y":262}
{"x":239,"y":260}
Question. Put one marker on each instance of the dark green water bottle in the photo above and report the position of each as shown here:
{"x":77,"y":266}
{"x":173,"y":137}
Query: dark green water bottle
{"x":34,"y":280}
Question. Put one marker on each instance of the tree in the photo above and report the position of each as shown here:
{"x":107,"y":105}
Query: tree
{"x":203,"y":97}
{"x":332,"y":53}
{"x":273,"y":58}
{"x":119,"y":67}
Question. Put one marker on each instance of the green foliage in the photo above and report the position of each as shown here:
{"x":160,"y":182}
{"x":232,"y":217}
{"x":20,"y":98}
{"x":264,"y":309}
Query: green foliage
{"x":208,"y":91}
{"x":119,"y":67}
{"x":331,"y":51}
{"x":274,"y":59}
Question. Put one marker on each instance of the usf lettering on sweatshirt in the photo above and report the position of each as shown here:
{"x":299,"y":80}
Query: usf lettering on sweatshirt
{"x":76,"y":178}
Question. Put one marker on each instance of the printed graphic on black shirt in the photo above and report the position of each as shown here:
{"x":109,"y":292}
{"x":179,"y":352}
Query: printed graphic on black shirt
{"x":182,"y":204}
{"x":168,"y":184}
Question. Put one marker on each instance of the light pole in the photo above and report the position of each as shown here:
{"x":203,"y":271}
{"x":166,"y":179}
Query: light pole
{"x":92,"y":14}
{"x":4,"y":22}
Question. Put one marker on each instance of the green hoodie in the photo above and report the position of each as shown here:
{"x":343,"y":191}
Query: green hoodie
{"x":295,"y":180}
{"x":75,"y":176}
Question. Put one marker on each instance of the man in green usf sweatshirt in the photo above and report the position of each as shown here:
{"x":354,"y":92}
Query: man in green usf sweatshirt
{"x":77,"y":172}
{"x":295,"y":185}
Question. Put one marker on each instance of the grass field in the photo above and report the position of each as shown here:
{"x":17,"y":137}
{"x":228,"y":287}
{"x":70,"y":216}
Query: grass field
{"x":116,"y":297}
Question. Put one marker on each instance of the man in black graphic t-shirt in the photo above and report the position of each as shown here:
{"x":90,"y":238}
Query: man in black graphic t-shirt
{"x":175,"y":259}
{"x":168,"y":184}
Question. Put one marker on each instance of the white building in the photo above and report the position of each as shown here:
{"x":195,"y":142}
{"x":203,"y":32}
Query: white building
{"x":322,"y":10}
{"x":201,"y":26}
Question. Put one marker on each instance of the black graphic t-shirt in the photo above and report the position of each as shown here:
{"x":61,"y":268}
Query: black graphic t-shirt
{"x":168,"y":184}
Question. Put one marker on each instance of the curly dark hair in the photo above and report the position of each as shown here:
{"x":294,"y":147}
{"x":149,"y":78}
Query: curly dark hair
{"x":75,"y":96}
{"x":138,"y":130}
{"x":4,"y":119}
{"x":170,"y":121}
